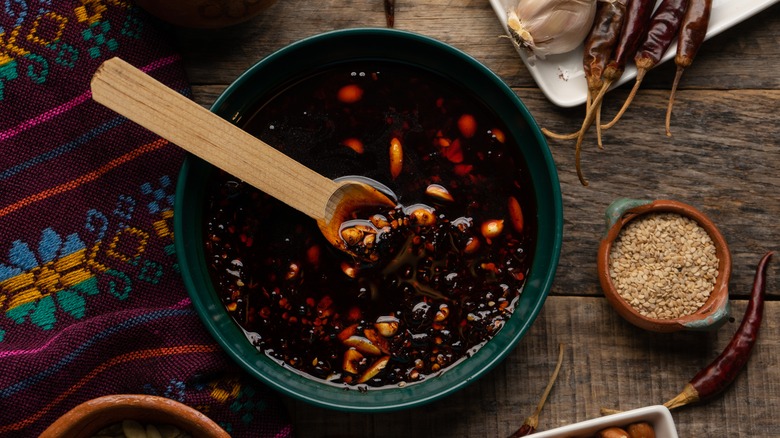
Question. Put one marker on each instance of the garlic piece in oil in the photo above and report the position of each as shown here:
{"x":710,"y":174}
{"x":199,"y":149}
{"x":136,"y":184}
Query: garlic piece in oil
{"x":550,"y":27}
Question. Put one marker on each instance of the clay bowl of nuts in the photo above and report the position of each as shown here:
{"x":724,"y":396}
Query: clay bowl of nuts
{"x":133,"y":415}
{"x":449,"y":279}
{"x":664,"y":266}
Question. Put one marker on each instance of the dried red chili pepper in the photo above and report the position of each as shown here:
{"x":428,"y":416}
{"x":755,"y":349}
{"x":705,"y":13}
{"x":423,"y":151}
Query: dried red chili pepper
{"x":635,"y":24}
{"x":663,"y":28}
{"x":689,"y":40}
{"x":635,"y":28}
{"x":596,"y":51}
{"x":531,"y":423}
{"x":390,"y":12}
{"x":716,"y":376}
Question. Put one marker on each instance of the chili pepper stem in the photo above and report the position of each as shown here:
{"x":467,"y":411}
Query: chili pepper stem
{"x":598,"y":128}
{"x":671,"y":100}
{"x":557,"y":136}
{"x":640,"y":75}
{"x":532,"y":422}
{"x":570,"y":136}
{"x":590,"y":115}
{"x":687,"y":396}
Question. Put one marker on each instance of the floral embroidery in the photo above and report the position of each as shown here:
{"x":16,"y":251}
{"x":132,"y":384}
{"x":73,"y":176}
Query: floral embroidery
{"x":59,"y":273}
{"x":36,"y":281}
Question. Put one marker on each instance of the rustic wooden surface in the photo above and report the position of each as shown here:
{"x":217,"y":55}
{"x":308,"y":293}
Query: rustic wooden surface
{"x":724,"y":158}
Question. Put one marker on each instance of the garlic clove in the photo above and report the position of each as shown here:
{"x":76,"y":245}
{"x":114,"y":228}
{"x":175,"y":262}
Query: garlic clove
{"x":546,"y":27}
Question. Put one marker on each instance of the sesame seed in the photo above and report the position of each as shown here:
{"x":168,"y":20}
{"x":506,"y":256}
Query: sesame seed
{"x":664,"y":264}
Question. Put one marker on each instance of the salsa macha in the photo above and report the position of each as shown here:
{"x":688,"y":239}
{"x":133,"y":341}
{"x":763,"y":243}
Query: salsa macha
{"x":455,"y":252}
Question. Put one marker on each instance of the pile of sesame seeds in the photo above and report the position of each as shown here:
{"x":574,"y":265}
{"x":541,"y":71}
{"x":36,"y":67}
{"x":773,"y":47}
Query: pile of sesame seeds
{"x":664,"y":265}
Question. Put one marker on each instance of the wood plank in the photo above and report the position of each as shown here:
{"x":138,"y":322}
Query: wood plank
{"x":722,"y":158}
{"x":745,"y":56}
{"x":608,"y":363}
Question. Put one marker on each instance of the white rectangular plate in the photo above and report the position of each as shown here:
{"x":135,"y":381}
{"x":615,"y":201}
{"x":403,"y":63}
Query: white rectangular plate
{"x":561,"y":77}
{"x":658,"y":416}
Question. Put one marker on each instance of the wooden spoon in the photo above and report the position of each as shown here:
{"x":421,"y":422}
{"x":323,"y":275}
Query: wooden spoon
{"x":146,"y":101}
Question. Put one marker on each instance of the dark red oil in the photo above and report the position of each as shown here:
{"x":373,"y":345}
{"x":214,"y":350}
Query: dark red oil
{"x":443,"y":291}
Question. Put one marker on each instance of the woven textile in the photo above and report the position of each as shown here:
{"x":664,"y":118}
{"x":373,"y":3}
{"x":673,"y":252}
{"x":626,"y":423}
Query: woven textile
{"x":91,"y":301}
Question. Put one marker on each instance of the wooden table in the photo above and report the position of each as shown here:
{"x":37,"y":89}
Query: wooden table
{"x":724,"y":158}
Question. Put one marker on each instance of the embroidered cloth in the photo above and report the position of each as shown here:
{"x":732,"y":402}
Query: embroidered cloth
{"x":91,"y":301}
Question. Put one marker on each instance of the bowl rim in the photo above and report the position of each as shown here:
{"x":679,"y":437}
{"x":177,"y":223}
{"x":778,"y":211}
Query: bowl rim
{"x":89,"y":417}
{"x":289,"y":381}
{"x":713,"y":313}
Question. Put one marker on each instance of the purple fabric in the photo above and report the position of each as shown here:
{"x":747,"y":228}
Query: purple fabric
{"x":91,"y":300}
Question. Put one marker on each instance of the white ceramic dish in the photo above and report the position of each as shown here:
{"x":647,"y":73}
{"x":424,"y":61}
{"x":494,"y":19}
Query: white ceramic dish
{"x":658,"y":416}
{"x":561,"y":78}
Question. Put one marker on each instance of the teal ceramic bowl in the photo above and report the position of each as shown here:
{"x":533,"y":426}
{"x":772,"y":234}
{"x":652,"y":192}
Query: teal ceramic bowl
{"x":395,"y":46}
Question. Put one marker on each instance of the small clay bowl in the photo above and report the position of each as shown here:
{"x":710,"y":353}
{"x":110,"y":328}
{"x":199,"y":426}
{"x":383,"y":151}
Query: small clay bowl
{"x":712,"y":314}
{"x":88,"y":418}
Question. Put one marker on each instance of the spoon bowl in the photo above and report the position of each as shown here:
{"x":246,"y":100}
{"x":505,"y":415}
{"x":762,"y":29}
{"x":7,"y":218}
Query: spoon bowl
{"x":350,"y":196}
{"x":132,"y":93}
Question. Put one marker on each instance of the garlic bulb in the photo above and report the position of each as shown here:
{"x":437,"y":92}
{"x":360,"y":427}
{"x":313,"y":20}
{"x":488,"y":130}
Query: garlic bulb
{"x":550,"y":27}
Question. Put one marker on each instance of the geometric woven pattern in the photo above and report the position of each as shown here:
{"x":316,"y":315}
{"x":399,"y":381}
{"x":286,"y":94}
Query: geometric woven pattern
{"x":91,"y":300}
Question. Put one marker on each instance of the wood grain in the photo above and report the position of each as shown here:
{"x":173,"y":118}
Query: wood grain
{"x":607,"y":363}
{"x":723,"y":158}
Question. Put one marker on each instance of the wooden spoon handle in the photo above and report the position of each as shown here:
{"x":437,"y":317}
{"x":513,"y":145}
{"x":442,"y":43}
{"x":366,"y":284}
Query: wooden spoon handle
{"x":142,"y":99}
